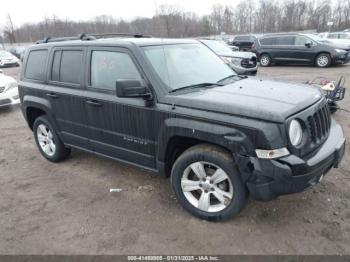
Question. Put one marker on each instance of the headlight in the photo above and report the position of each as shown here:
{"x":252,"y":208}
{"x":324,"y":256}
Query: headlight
{"x":295,"y":132}
{"x":10,"y":86}
{"x":340,"y":51}
{"x":236,"y":61}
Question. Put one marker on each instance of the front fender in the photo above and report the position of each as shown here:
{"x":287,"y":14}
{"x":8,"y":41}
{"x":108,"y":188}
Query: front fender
{"x":230,"y":138}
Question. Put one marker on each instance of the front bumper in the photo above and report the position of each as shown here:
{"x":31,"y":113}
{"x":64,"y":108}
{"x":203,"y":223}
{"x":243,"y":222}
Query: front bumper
{"x":342,"y":59}
{"x":291,"y":174}
{"x":9,"y":97}
{"x":245,"y":71}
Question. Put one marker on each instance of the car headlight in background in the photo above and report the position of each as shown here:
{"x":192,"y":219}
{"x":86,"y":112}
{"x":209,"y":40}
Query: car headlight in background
{"x":10,"y":86}
{"x":232,"y":60}
{"x":340,"y":51}
{"x":236,"y":61}
{"x":295,"y":132}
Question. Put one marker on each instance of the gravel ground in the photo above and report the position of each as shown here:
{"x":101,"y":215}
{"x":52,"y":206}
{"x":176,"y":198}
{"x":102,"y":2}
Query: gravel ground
{"x":67,"y":208}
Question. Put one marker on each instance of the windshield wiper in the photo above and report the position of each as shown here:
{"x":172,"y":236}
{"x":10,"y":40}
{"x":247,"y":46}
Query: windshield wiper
{"x":196,"y":86}
{"x":228,"y":77}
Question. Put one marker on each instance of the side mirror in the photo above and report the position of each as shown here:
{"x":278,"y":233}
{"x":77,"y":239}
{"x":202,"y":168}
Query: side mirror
{"x":308,"y":44}
{"x":132,"y":88}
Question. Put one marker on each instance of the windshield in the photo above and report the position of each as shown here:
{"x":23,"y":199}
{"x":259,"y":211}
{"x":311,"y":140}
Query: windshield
{"x":218,"y":47}
{"x":183,"y":65}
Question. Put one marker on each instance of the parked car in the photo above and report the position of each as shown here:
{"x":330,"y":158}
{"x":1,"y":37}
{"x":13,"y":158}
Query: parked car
{"x":8,"y":90}
{"x":338,"y":40}
{"x":18,"y":52}
{"x":244,"y":63}
{"x":298,"y":49}
{"x":7,"y":59}
{"x":173,"y":107}
{"x":233,"y":47}
{"x":244,"y":42}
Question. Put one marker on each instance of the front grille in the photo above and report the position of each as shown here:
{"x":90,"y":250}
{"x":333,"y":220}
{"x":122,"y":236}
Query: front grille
{"x":319,"y":124}
{"x":248,"y":62}
{"x":2,"y":88}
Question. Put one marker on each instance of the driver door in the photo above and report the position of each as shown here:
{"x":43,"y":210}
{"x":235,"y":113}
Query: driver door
{"x":120,"y":128}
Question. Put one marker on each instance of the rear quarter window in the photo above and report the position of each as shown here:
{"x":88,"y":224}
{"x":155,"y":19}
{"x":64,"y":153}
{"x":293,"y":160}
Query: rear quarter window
{"x":242,"y":38}
{"x":36,"y":64}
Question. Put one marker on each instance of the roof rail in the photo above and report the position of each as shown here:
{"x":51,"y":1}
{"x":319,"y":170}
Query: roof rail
{"x":108,"y":35}
{"x":87,"y":37}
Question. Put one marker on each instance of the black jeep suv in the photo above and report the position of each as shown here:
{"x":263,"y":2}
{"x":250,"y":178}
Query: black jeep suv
{"x":175,"y":108}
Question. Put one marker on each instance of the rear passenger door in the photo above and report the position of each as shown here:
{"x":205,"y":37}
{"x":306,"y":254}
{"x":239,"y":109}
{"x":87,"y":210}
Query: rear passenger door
{"x":284,"y":49}
{"x":65,"y":91}
{"x":121,"y":128}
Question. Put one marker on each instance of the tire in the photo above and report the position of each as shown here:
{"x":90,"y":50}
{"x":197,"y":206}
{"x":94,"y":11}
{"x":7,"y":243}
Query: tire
{"x":49,"y":144}
{"x":323,"y":60}
{"x":199,"y":197}
{"x":265,"y":60}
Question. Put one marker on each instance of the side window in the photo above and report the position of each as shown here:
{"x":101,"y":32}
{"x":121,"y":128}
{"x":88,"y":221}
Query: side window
{"x":285,"y":40}
{"x":333,"y":36}
{"x":67,"y":66}
{"x":301,"y":40}
{"x":267,"y":41}
{"x":242,"y":38}
{"x":344,"y":36}
{"x":36,"y":63}
{"x":109,"y":66}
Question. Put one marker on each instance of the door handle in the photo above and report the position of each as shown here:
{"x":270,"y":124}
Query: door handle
{"x":52,"y":95}
{"x":93,"y":103}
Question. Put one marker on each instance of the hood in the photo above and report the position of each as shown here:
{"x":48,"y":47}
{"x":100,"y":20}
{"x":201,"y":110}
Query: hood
{"x":252,"y":97}
{"x":8,"y":57}
{"x":5,"y":80}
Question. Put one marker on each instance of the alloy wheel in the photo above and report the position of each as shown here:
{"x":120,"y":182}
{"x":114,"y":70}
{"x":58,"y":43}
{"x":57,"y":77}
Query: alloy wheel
{"x":322,"y":61}
{"x":207,"y":186}
{"x":46,"y":140}
{"x":264,"y":61}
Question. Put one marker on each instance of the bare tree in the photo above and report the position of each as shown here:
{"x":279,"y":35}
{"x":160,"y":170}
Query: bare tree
{"x":248,"y":16}
{"x":9,"y":30}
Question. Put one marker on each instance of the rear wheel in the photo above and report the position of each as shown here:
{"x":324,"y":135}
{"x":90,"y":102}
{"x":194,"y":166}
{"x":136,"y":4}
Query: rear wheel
{"x":49,"y":144}
{"x":207,"y":183}
{"x":323,"y":60}
{"x":265,"y":60}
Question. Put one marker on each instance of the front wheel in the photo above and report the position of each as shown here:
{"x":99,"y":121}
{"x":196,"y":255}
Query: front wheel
{"x":207,"y":183}
{"x":323,"y":60}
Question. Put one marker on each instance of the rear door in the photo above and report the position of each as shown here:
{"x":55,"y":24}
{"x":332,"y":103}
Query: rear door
{"x":121,"y":128}
{"x":284,"y":49}
{"x":65,"y":90}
